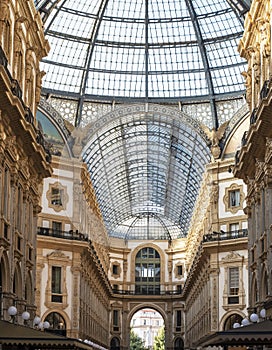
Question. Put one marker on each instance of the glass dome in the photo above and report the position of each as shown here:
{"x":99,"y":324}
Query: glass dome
{"x":148,"y":50}
{"x":146,"y":165}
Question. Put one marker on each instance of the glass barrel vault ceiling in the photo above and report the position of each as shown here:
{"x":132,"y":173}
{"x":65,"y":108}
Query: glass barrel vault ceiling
{"x":146,"y":170}
{"x":149,"y":50}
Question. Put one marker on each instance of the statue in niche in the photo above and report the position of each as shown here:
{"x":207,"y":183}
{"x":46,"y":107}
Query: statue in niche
{"x":248,"y":84}
{"x":264,"y":29}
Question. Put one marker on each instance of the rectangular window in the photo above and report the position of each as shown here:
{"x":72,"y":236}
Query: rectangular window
{"x":234,"y":229}
{"x":179,"y":288}
{"x":115,"y":269}
{"x":56,"y":284}
{"x":6,"y":194}
{"x":234,"y":198}
{"x":178,"y":320}
{"x":56,"y":196}
{"x":180,"y":270}
{"x":19,"y":208}
{"x":116,"y":320}
{"x":233,"y":285}
{"x":56,"y":227}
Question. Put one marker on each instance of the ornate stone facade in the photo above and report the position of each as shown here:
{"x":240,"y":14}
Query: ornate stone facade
{"x":253,"y":161}
{"x":23,"y":160}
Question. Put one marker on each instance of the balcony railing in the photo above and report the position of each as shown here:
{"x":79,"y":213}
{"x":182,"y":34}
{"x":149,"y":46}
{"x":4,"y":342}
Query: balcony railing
{"x":75,"y":235}
{"x":222,"y":235}
{"x":133,"y":292}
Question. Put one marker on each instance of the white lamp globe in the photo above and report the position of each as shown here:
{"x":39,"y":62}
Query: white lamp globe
{"x":25,"y":315}
{"x":263,"y":313}
{"x":36,"y":320}
{"x":236,"y":325}
{"x":46,"y":324}
{"x":40,"y":325}
{"x":12,"y":311}
{"x":254,"y":318}
{"x":245,"y":322}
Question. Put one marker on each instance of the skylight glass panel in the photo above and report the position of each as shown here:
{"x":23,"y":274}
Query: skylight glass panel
{"x":214,"y":27}
{"x":230,"y":80}
{"x":209,"y":6}
{"x":122,"y":32}
{"x":88,"y":7}
{"x":126,"y":9}
{"x":220,"y":53}
{"x":67,"y":52}
{"x":62,"y":78}
{"x":73,"y":25}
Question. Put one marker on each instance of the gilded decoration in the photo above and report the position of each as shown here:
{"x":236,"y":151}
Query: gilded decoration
{"x":226,"y":199}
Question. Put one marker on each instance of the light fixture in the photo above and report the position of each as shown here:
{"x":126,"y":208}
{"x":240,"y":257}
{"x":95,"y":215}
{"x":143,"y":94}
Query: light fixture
{"x":236,"y":325}
{"x":46,"y":325}
{"x":43,"y":325}
{"x":254,"y":317}
{"x":36,"y":320}
{"x":263,"y":313}
{"x":245,"y":322}
{"x":12,"y":311}
{"x":25,"y":315}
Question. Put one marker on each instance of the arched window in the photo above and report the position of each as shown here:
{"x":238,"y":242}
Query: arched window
{"x":17,"y":282}
{"x":231,"y":320}
{"x":115,"y":344}
{"x":264,"y":285}
{"x":57,"y":323}
{"x":28,"y":289}
{"x":147,"y":271}
{"x":179,"y":344}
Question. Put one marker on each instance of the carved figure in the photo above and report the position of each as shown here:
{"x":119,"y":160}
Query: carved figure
{"x":215,"y":136}
{"x":264,"y":29}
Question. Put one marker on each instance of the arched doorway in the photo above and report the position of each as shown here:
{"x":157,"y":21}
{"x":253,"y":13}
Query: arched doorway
{"x":146,"y":329}
{"x":57,"y":323}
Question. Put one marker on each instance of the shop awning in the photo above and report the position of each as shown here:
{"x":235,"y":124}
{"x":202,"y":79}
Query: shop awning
{"x":253,"y":334}
{"x":17,"y":335}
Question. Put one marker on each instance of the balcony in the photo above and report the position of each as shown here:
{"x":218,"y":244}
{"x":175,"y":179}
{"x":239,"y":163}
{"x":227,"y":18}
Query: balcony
{"x":159,"y":293}
{"x":222,"y":235}
{"x":74,"y":235}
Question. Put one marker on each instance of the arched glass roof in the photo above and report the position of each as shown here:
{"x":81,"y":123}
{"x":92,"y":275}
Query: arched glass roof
{"x":146,"y":168}
{"x":147,"y":50}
